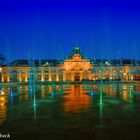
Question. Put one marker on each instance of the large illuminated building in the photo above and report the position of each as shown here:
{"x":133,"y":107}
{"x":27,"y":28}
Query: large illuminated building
{"x":76,"y":67}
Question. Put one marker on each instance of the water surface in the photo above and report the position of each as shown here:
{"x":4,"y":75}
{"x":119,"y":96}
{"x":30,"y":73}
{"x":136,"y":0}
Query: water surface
{"x":77,"y":111}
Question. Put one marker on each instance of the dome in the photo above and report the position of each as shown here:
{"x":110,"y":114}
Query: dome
{"x":76,"y":50}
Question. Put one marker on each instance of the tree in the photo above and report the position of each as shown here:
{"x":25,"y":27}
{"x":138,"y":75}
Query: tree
{"x":3,"y":60}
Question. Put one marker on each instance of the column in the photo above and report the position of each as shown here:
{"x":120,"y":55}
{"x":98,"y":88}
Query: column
{"x":57,"y":76}
{"x":81,"y":76}
{"x":50,"y":76}
{"x":26,"y":76}
{"x":19,"y":76}
{"x":64,"y":76}
{"x":72,"y":76}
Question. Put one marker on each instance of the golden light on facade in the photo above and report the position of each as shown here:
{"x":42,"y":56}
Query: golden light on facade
{"x":131,"y":77}
{"x":42,"y":79}
{"x":75,"y":68}
{"x":50,"y":79}
{"x":2,"y":92}
{"x":8,"y":79}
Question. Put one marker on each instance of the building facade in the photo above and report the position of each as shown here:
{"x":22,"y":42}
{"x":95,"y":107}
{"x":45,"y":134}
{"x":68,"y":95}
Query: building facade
{"x":75,"y":68}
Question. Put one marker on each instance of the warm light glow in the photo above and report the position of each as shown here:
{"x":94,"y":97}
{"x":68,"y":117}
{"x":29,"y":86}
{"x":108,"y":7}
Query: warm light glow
{"x":107,"y":63}
{"x":75,"y":68}
{"x":8,"y":79}
{"x":3,"y":109}
{"x":42,"y":79}
{"x":26,"y":80}
{"x":124,"y":87}
{"x":76,"y":98}
{"x":2,"y":98}
{"x":57,"y":77}
{"x":2,"y":92}
{"x":125,"y":95}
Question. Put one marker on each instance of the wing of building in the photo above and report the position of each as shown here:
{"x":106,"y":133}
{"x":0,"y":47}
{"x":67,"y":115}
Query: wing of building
{"x":76,"y":67}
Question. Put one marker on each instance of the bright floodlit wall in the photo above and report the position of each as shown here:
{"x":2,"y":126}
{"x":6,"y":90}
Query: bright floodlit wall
{"x":74,"y":68}
{"x":69,"y":71}
{"x":29,"y":74}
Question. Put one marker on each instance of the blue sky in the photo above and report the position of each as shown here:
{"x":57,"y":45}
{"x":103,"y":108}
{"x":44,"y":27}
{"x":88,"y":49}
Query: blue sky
{"x":51,"y":28}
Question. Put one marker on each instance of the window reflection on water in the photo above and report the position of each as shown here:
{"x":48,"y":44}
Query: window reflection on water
{"x":73,"y":97}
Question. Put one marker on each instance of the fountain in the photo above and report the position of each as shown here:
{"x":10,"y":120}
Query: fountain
{"x":131,"y":94}
{"x":34,"y":92}
{"x":60,"y":88}
{"x":101,"y":85}
{"x":53,"y":88}
{"x":34,"y":104}
{"x":11,"y":91}
{"x":30,"y":76}
{"x":101,"y":125}
{"x":32,"y":85}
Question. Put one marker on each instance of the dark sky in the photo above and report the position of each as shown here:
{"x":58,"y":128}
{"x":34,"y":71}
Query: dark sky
{"x":51,"y":28}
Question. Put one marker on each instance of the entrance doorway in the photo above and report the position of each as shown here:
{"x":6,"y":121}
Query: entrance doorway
{"x":77,"y":77}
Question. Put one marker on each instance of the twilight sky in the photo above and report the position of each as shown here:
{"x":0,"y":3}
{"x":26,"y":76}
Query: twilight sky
{"x":51,"y":28}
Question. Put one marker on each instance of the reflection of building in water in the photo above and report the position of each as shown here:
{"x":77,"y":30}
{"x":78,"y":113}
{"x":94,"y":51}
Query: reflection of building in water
{"x":126,"y":92}
{"x":109,"y":90}
{"x":76,"y":98}
{"x":3,"y":108}
{"x":137,"y":88}
{"x":75,"y":68}
{"x":24,"y":98}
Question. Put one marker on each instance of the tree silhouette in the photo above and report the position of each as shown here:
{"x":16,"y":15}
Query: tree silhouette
{"x":3,"y":60}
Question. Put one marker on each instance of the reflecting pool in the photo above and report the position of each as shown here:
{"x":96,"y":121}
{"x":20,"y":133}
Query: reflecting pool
{"x":70,"y":111}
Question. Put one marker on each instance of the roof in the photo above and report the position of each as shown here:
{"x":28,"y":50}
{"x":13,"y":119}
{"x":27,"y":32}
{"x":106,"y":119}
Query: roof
{"x":115,"y":62}
{"x":30,"y":62}
{"x":56,"y":62}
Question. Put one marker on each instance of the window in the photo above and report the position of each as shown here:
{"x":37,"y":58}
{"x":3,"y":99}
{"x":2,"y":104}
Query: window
{"x":31,"y":71}
{"x":39,"y":71}
{"x":46,"y":77}
{"x":46,"y":71}
{"x":38,"y":77}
